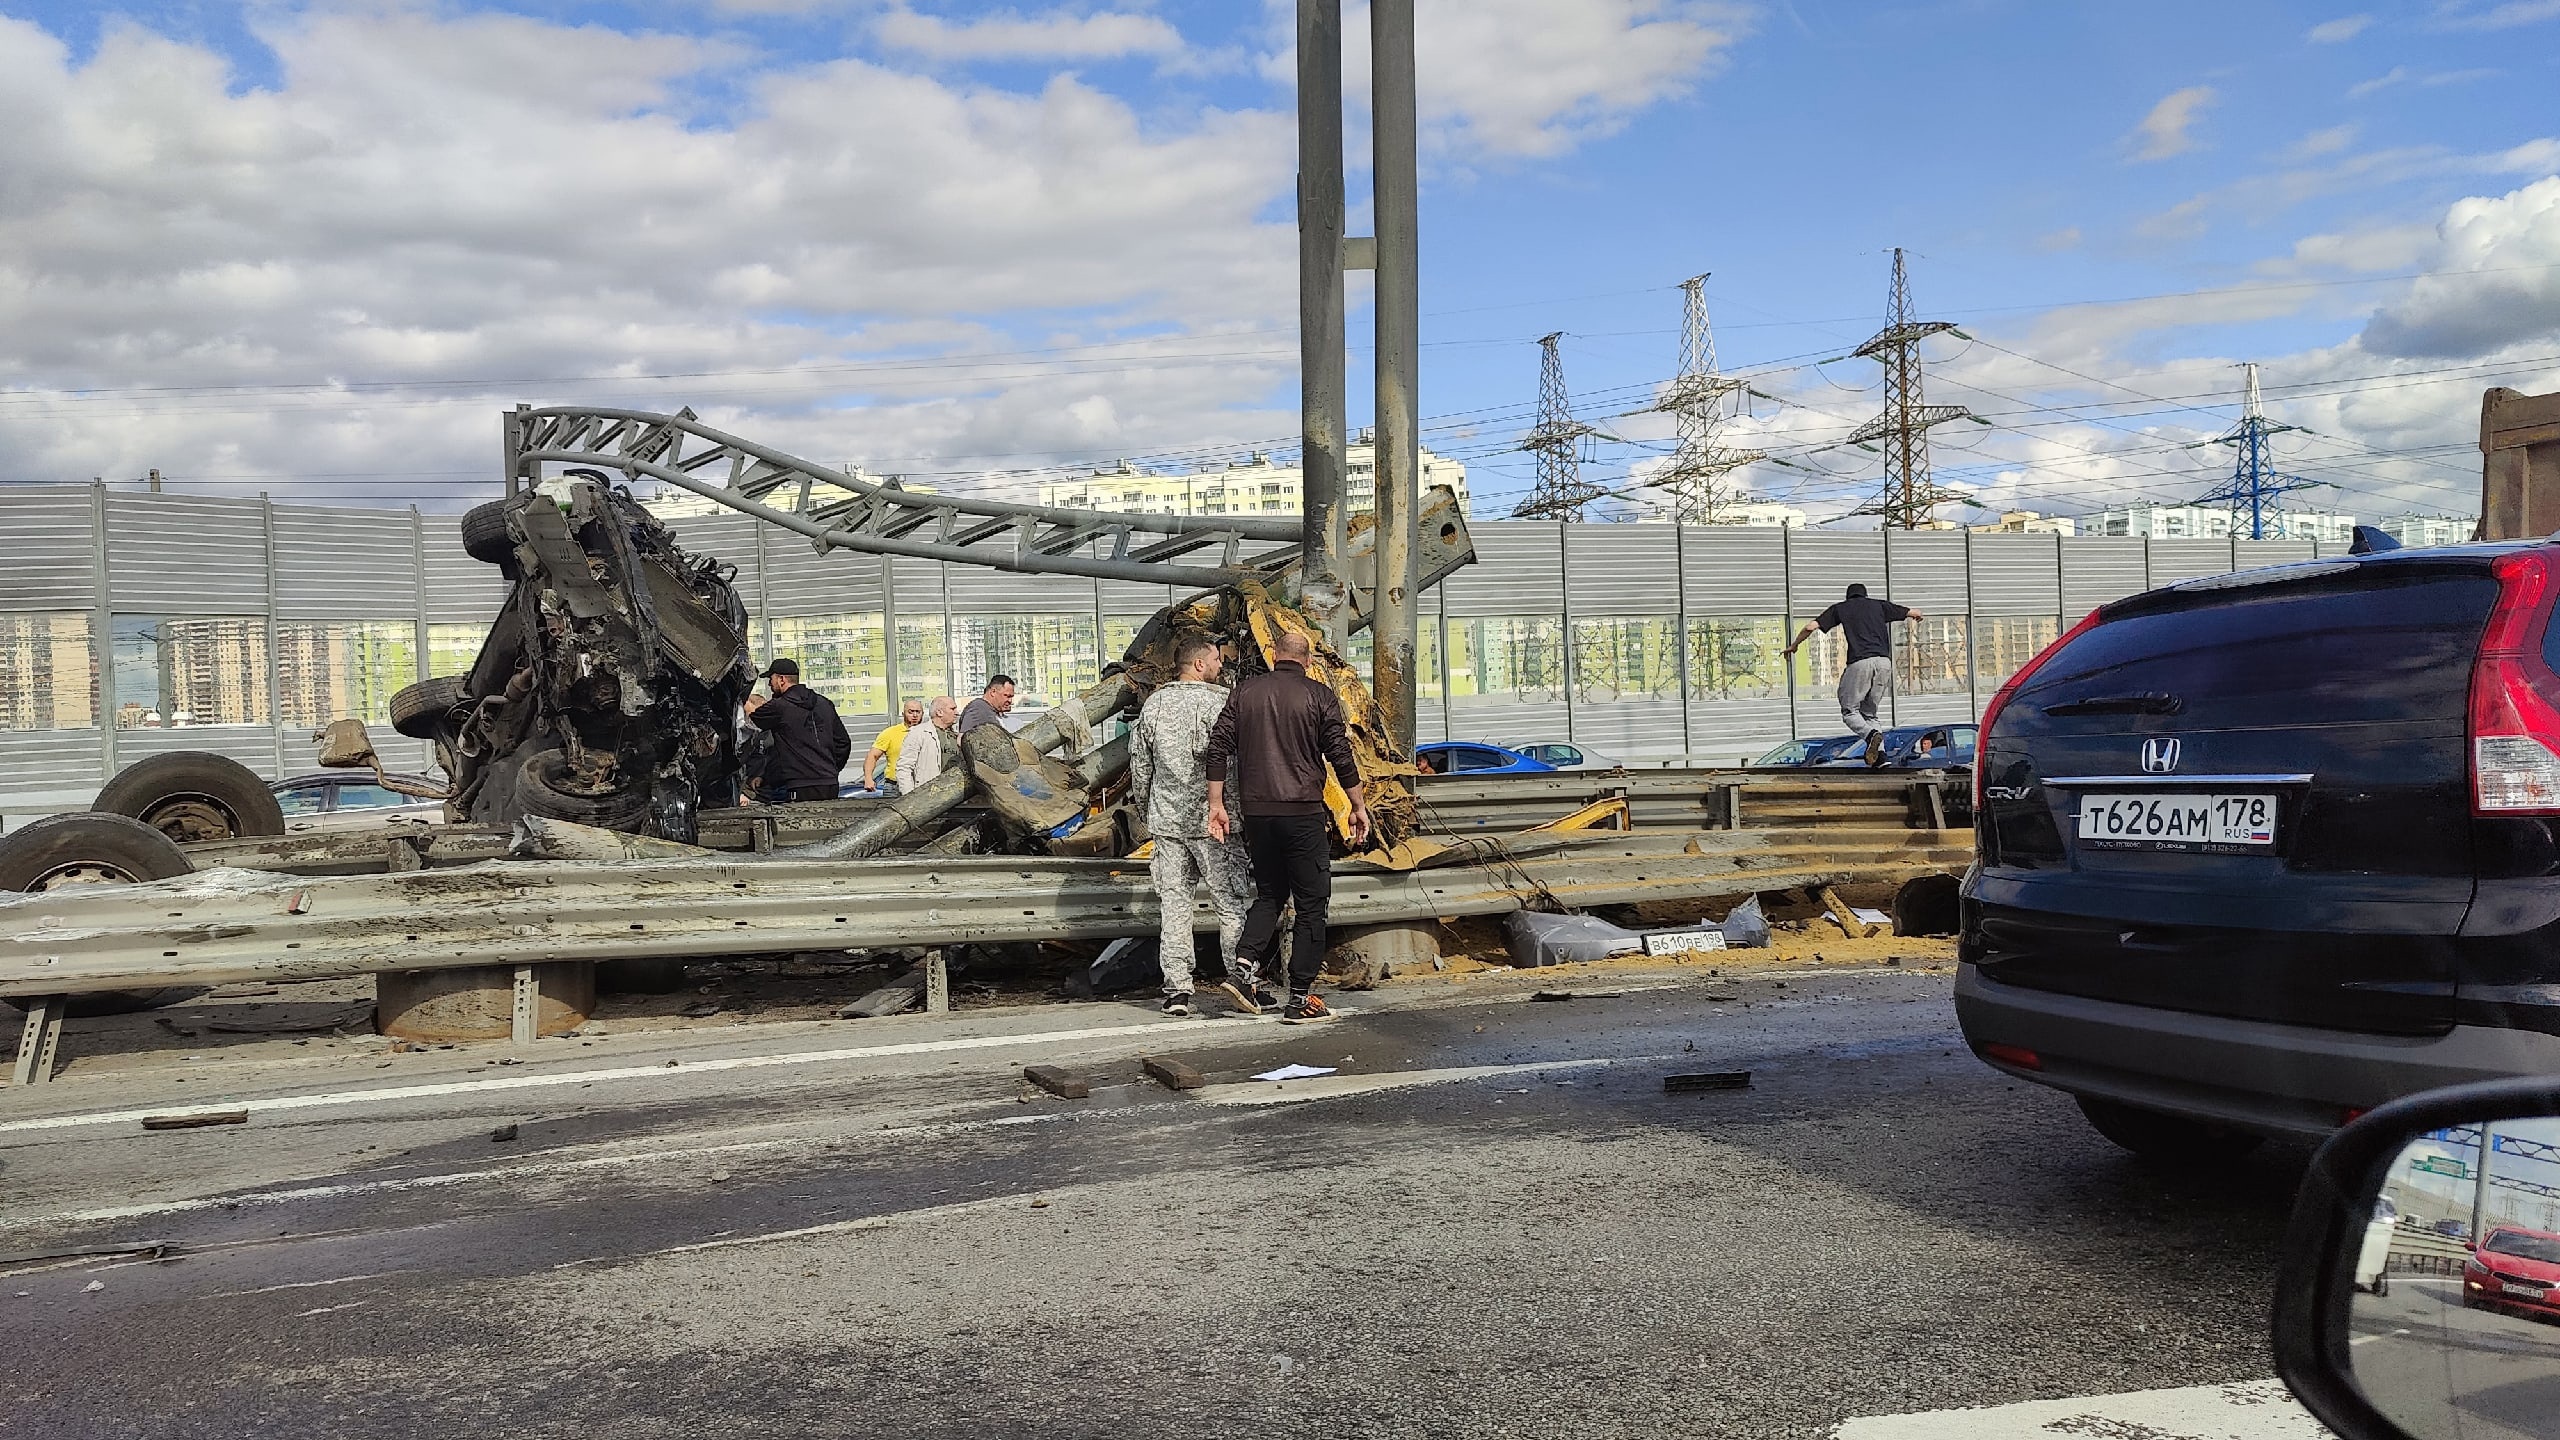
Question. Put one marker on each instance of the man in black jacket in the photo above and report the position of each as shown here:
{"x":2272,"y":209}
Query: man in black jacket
{"x":1286,"y":728}
{"x":810,"y":744}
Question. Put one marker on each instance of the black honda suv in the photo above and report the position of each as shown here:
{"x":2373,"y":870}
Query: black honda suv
{"x":2261,"y":851}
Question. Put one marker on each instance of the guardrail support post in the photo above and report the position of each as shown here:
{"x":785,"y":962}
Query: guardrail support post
{"x":528,"y":1010}
{"x":40,"y":1038}
{"x":937,"y":981}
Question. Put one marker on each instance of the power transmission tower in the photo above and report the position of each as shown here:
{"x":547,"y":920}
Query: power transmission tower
{"x":1557,"y":442}
{"x":1910,"y":496}
{"x":1695,"y":476}
{"x":2254,"y":483}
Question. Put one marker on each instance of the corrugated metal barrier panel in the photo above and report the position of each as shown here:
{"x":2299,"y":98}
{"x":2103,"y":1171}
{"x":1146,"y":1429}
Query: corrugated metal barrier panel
{"x":1724,"y":731}
{"x":917,"y":584}
{"x":1627,"y":727}
{"x":186,"y":555}
{"x":1733,"y":570}
{"x":2254,"y":553}
{"x":460,"y":590}
{"x":2100,"y":568}
{"x":1821,"y":568}
{"x":1519,"y":570}
{"x":800,"y":581}
{"x":51,"y":561}
{"x":2176,"y":560}
{"x":345,"y":564}
{"x":1925,"y":570}
{"x":2017,"y":574}
{"x":1622,"y":569}
{"x":49,"y":760}
{"x":976,"y":590}
{"x":1486,"y":719}
{"x":252,"y":745}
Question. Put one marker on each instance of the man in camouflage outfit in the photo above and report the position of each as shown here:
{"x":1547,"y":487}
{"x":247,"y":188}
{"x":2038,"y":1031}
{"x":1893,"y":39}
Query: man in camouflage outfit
{"x":1170,"y":782}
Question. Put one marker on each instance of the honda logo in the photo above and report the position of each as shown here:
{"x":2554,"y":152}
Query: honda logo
{"x":2159,"y":757}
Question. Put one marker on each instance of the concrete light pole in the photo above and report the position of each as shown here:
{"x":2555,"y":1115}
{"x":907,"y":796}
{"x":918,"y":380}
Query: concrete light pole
{"x":1320,"y":324}
{"x":1394,"y":166}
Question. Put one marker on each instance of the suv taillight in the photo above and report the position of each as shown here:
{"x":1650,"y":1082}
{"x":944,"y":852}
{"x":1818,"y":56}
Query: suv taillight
{"x":2515,"y":697}
{"x":2000,"y":702}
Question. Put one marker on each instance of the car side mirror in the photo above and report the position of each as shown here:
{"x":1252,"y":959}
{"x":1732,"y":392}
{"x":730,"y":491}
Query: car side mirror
{"x":2419,"y":1294}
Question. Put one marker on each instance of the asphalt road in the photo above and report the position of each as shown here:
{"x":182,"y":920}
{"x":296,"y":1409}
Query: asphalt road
{"x":1492,"y":1222}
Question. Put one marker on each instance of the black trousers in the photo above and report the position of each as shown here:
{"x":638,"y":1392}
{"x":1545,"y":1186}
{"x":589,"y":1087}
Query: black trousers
{"x":1292,"y":857}
{"x":808,"y":792}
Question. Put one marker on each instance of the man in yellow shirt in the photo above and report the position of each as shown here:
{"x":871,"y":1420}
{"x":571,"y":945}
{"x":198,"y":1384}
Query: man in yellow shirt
{"x":880,"y":767}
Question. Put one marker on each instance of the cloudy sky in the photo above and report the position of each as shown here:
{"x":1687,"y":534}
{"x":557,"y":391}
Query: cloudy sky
{"x":314,"y":248}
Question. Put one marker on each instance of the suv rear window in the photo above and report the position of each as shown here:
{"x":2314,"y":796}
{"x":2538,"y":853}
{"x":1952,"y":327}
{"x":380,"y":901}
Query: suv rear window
{"x":2369,"y":643}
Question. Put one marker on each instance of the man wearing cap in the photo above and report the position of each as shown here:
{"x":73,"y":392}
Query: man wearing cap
{"x":810,"y":746}
{"x":1867,"y":681}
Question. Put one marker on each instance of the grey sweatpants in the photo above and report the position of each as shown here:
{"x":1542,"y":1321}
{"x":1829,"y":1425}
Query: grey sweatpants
{"x":1182,"y":865}
{"x":1863,"y":687}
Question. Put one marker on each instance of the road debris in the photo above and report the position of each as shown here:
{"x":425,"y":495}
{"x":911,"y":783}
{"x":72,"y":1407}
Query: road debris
{"x":1706,"y":1080}
{"x":503,"y":1133}
{"x":1172,"y":1074}
{"x":1065,"y":1084}
{"x":195,"y":1122}
{"x":1296,"y":1072}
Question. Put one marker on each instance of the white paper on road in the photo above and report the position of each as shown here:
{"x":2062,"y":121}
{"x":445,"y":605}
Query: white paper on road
{"x":1295,"y":1072}
{"x":2251,"y":1410}
{"x":1872,"y":917}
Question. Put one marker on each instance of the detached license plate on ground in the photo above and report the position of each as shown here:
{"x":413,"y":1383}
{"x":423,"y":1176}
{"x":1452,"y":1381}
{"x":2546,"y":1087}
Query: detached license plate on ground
{"x":2178,"y":822}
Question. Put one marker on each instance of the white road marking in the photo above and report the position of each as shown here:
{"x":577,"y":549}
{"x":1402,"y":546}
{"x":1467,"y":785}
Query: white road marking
{"x":1331,"y":1087}
{"x":305,"y":1285}
{"x":2250,"y":1410}
{"x":658,"y":1069}
{"x":331,"y":1309}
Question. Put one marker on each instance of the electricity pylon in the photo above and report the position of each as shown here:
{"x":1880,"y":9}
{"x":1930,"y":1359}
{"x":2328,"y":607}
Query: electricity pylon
{"x":1910,"y":497}
{"x":1696,"y":398}
{"x":1557,"y":442}
{"x":2254,"y":482}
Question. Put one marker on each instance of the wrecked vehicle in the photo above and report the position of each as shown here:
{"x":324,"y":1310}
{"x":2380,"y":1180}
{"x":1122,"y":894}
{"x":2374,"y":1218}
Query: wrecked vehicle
{"x":608,"y":690}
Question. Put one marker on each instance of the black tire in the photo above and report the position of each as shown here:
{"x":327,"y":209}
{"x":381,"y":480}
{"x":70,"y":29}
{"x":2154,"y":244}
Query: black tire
{"x":85,"y":848}
{"x":543,"y":788}
{"x":418,"y":710}
{"x":2164,"y":1138}
{"x":484,"y":534}
{"x":192,"y":795}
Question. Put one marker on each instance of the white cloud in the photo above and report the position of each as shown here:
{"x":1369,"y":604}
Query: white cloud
{"x":2338,"y":31}
{"x":2066,"y":238}
{"x":2330,"y":141}
{"x":2164,"y":132}
{"x":1531,"y":78}
{"x":1011,"y":36}
{"x":2501,"y":282}
{"x":2502,"y":17}
{"x":423,"y":198}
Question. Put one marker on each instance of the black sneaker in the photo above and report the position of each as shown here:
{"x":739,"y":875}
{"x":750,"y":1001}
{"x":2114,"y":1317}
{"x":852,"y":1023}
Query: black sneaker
{"x":1236,"y":998}
{"x":1875,"y":748}
{"x":1178,"y":1004}
{"x":1306,"y":1009}
{"x":1265,"y":1000}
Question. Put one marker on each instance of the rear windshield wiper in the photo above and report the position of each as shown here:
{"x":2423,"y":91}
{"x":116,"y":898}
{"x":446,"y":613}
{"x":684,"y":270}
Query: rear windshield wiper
{"x":2149,"y":702}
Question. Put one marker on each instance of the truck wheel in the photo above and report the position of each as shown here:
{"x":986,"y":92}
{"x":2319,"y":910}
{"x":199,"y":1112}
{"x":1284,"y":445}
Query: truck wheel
{"x":418,"y":711}
{"x":60,"y":852}
{"x":2169,"y":1139}
{"x":543,"y":788}
{"x":484,"y":534}
{"x":191,"y":795}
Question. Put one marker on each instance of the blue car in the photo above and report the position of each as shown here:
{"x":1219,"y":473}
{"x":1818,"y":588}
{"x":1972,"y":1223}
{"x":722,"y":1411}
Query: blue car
{"x":1804,"y":754}
{"x":1948,"y":745}
{"x":1468,"y":757}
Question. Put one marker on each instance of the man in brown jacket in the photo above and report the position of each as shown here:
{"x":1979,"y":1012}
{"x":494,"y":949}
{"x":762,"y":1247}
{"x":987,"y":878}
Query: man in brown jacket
{"x":1286,"y":728}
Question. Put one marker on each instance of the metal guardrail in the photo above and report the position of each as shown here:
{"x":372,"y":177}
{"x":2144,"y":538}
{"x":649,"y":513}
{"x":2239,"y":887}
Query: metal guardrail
{"x":1452,"y":805}
{"x":233,"y":925}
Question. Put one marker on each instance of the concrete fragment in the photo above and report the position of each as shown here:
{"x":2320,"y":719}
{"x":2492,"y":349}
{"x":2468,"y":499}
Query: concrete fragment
{"x":1065,"y":1084}
{"x":1172,"y":1074}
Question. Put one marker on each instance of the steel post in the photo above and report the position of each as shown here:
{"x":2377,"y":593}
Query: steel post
{"x":1399,"y":323}
{"x":1322,"y":381}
